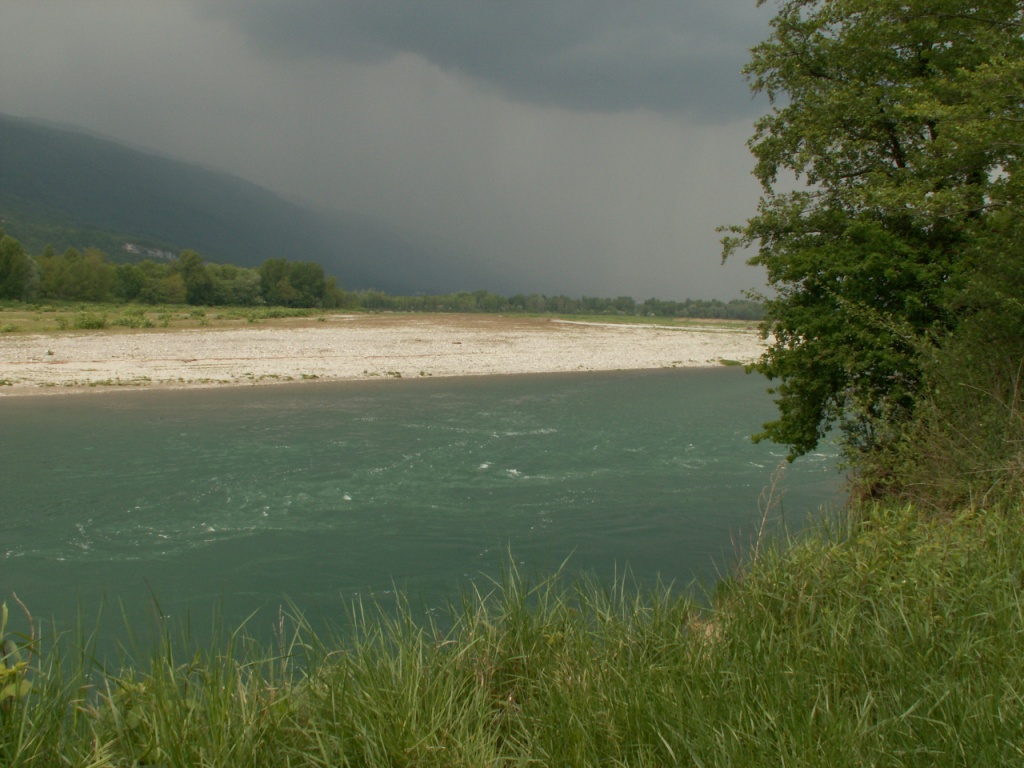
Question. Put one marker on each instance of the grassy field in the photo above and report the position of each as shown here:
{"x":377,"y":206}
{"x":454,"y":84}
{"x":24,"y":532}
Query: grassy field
{"x":893,"y":639}
{"x":57,"y":318}
{"x":16,"y":317}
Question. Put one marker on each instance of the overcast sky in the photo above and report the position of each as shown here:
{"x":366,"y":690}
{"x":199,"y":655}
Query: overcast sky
{"x":593,"y":144}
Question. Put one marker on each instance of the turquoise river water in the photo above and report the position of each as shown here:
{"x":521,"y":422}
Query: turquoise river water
{"x":317,"y":493}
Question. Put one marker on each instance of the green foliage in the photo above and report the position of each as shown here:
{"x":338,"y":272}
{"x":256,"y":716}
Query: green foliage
{"x":88,"y":276}
{"x":484,"y":301}
{"x":889,"y":641}
{"x":735,"y":309}
{"x":965,"y":441}
{"x":199,"y":288}
{"x":14,"y":684}
{"x":86,"y":320}
{"x":18,"y":278}
{"x":274,"y":285}
{"x":272,"y":313}
{"x":296,"y":284}
{"x":235,"y":286}
{"x":133,"y":317}
{"x":76,"y":276}
{"x":89,"y":321}
{"x":905,"y":123}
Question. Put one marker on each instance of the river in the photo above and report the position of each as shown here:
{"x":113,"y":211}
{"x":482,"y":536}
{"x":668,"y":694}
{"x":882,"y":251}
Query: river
{"x":313,"y":494}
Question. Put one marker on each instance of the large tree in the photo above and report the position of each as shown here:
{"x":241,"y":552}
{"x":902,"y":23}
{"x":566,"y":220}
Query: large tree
{"x":199,"y":288}
{"x":888,"y":161}
{"x":16,"y":270}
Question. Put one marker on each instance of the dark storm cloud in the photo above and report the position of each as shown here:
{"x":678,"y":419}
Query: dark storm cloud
{"x":668,"y":56}
{"x":585,"y":148}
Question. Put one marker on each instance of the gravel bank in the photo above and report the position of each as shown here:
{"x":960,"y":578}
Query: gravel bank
{"x":355,"y":347}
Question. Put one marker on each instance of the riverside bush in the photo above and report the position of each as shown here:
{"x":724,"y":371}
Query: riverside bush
{"x":89,"y":321}
{"x":893,"y":638}
{"x":964,"y":444}
{"x":133,"y":317}
{"x":273,"y":313}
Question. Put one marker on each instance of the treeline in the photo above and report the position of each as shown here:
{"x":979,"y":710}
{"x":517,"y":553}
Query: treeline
{"x":536,"y":303}
{"x":189,"y":279}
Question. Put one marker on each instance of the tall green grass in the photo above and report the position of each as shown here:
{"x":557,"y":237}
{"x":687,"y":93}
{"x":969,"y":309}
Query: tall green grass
{"x":893,"y":639}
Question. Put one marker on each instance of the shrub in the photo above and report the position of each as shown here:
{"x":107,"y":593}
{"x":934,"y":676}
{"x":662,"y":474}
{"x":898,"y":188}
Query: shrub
{"x":89,"y":321}
{"x":134,"y":317}
{"x":965,"y":441}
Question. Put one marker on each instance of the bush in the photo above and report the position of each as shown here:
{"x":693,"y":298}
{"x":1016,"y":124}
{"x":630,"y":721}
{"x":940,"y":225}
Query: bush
{"x":271,"y":313}
{"x":965,"y":441}
{"x":135,"y":317}
{"x":89,"y":321}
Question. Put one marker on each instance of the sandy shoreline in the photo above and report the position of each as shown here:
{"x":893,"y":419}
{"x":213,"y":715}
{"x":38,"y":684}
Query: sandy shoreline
{"x":349,"y":347}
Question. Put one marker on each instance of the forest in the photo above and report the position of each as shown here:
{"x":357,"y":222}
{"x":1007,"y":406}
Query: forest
{"x":90,"y":275}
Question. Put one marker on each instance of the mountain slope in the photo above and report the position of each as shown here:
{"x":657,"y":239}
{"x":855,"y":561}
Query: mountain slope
{"x":54,"y":181}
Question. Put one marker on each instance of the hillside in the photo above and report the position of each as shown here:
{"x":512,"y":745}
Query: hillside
{"x":62,"y":187}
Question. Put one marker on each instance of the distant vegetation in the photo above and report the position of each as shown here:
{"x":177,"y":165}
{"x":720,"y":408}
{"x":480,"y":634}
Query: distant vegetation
{"x":534,"y":303}
{"x":187,"y":279}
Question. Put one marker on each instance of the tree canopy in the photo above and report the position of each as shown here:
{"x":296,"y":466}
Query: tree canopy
{"x":889,"y":164}
{"x":16,"y":274}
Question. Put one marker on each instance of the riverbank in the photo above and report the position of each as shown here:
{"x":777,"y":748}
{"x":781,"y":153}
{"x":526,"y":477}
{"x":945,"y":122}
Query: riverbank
{"x":349,"y":347}
{"x":897,"y":639}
